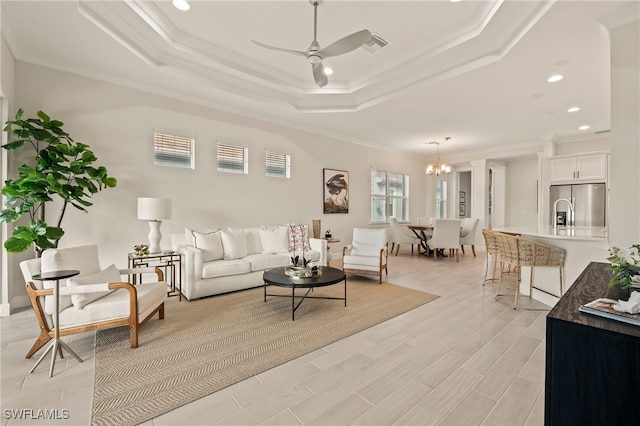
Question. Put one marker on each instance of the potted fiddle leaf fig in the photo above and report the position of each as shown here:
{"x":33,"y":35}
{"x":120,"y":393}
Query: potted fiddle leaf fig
{"x":61,"y":169}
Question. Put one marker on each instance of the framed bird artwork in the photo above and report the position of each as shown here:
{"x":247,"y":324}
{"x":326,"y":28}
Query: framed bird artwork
{"x":335,"y":191}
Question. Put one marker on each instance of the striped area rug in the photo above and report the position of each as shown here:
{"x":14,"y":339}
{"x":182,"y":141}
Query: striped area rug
{"x":205,"y":345}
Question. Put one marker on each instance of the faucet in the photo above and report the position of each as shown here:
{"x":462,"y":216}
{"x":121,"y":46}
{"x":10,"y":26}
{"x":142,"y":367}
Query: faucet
{"x":555,"y":212}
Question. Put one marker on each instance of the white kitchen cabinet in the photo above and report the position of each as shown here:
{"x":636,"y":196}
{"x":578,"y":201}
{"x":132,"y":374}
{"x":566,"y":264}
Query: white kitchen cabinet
{"x":583,"y":168}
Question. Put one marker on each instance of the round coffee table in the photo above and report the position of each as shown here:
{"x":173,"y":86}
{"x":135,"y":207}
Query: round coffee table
{"x":278,"y":278}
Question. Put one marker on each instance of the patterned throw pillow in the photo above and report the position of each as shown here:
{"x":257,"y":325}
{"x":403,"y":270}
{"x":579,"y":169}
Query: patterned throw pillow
{"x":299,"y":238}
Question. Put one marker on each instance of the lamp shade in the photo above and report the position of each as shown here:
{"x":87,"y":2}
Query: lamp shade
{"x":154,"y":208}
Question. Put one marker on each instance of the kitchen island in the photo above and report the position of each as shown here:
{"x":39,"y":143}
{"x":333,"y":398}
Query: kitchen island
{"x":582,"y":245}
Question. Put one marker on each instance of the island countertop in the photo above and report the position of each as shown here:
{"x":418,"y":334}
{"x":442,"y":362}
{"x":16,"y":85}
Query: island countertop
{"x":582,"y":245}
{"x":598,"y":234}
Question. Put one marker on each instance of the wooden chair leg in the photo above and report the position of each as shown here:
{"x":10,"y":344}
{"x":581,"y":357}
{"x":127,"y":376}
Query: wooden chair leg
{"x":457,"y":258}
{"x":462,"y":247}
{"x":473,"y":249}
{"x":42,"y":340}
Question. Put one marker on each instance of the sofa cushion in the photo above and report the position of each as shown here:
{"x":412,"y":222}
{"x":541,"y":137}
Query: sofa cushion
{"x":116,"y":305}
{"x":210,"y":243}
{"x":252,"y":236}
{"x":234,"y":244}
{"x":299,"y":238}
{"x":262,"y":261}
{"x":108,"y":275}
{"x":361,"y":262}
{"x":222,"y":268}
{"x":275,"y":240}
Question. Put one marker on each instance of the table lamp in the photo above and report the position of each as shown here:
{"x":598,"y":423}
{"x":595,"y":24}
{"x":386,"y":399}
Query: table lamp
{"x":155,"y":210}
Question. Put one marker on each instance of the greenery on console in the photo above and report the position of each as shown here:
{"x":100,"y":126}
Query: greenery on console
{"x":625,"y":266}
{"x":63,"y":169}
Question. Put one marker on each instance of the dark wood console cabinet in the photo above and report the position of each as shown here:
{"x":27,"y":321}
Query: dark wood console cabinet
{"x":592,"y":374}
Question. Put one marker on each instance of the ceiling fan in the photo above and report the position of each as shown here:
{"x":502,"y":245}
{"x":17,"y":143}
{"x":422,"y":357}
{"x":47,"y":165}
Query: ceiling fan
{"x":315,"y":54}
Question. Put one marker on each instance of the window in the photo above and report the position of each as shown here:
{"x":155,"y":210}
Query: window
{"x":389,"y":196}
{"x":441,"y":199}
{"x":233,"y":159}
{"x":172,"y":150}
{"x":277,"y":165}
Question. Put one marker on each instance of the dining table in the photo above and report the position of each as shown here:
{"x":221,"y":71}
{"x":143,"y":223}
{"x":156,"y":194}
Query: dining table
{"x":423,"y":232}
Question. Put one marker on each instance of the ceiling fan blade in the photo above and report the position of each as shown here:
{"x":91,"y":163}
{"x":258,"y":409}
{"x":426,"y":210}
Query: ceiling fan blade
{"x":279,"y":49}
{"x":345,"y":44}
{"x":318,"y":74}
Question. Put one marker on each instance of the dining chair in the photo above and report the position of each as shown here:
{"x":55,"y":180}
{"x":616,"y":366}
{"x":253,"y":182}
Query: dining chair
{"x":402,"y":235}
{"x":446,"y":235}
{"x":468,"y":234}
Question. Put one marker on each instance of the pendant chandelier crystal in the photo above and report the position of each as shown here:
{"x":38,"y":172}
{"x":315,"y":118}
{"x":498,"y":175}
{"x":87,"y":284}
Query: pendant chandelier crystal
{"x":438,"y":167}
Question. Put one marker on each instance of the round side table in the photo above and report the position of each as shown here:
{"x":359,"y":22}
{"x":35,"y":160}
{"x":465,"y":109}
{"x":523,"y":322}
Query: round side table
{"x":57,"y":343}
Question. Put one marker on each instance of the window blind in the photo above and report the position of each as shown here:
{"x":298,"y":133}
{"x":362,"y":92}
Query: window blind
{"x":233,"y":158}
{"x":171,"y":150}
{"x":278,"y":165}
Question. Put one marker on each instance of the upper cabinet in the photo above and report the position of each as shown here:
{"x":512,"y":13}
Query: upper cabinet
{"x":582,"y":168}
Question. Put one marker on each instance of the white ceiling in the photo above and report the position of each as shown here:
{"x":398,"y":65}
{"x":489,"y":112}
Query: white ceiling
{"x":472,"y":70}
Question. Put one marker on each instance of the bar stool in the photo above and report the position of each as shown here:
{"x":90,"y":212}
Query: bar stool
{"x":518,"y":252}
{"x":491,"y":243}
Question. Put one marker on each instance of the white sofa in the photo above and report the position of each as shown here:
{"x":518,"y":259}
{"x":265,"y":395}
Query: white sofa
{"x":221,"y":261}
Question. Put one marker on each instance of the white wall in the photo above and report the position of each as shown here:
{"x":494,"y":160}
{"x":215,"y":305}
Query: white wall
{"x":7,"y":77}
{"x":521,"y":192}
{"x":118,"y":124}
{"x":624,"y":219}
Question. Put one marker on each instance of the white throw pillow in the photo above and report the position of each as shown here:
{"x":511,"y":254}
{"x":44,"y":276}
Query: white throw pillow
{"x":362,"y":249}
{"x":252,"y":236}
{"x":234,"y":244}
{"x":108,"y":275}
{"x":210,"y":243}
{"x":274,"y":240}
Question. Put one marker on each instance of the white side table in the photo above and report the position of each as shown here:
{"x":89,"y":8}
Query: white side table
{"x":57,"y":343}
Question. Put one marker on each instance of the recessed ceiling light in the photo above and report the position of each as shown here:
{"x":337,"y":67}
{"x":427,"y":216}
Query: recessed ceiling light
{"x":328,"y":70}
{"x":583,"y":127}
{"x":454,"y":1}
{"x":554,"y":78}
{"x":181,"y":4}
{"x":573,"y":109}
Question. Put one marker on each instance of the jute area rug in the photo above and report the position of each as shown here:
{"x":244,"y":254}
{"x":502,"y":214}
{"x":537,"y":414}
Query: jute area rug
{"x":205,"y":345}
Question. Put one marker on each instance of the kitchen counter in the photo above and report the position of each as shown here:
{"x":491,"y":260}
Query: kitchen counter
{"x":570,"y":233}
{"x":582,"y":246}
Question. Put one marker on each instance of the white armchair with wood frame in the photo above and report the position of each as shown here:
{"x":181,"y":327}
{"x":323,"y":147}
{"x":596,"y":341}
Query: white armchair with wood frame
{"x":367,"y":253}
{"x":94,"y":299}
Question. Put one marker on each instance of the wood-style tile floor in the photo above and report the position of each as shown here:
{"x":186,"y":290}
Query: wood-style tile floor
{"x":463,"y":359}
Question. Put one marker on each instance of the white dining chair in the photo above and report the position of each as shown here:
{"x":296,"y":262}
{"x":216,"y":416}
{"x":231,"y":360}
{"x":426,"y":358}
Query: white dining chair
{"x":446,"y":235}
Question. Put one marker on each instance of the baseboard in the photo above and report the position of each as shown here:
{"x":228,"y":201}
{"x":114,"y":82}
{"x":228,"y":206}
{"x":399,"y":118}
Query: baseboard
{"x":5,"y":310}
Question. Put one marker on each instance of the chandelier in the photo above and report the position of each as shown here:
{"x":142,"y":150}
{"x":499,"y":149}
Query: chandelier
{"x":438,"y":167}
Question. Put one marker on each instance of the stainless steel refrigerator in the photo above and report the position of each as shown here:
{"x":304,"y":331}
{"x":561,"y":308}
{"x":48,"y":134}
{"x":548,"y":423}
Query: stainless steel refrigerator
{"x":589,"y":204}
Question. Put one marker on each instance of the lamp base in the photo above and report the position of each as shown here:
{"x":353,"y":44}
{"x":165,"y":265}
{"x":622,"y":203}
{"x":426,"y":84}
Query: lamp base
{"x":154,"y":236}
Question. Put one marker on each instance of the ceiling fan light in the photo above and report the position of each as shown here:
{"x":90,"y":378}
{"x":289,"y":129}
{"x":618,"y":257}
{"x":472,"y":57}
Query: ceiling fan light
{"x":181,"y":5}
{"x":328,"y":70}
{"x":555,"y":77}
